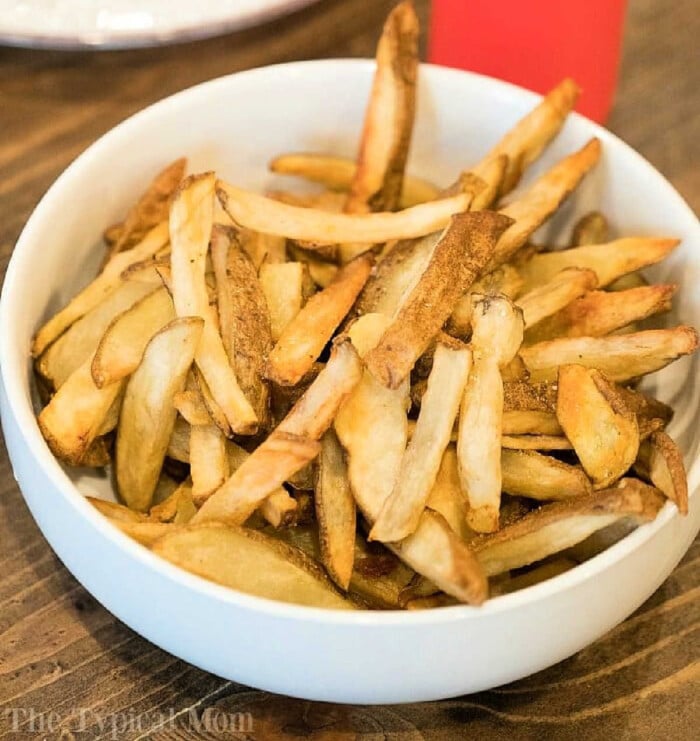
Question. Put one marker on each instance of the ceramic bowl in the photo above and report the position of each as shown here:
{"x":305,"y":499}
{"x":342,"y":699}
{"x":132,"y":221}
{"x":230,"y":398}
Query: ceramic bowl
{"x":235,"y":125}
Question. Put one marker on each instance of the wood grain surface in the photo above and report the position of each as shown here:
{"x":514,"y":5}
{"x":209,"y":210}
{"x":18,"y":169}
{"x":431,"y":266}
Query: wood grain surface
{"x":61,"y":652}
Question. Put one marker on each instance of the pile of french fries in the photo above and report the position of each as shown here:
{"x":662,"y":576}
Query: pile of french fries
{"x":381,"y":395}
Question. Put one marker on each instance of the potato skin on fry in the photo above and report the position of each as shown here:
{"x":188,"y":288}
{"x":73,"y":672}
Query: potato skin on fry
{"x":460,"y":255}
{"x":303,"y":339}
{"x":148,"y":416}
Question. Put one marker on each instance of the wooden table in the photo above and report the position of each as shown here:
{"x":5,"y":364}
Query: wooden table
{"x":61,"y":651}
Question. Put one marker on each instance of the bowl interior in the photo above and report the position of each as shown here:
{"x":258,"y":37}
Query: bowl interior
{"x":236,"y":125}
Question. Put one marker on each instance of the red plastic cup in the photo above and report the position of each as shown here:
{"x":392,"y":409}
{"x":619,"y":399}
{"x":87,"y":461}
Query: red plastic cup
{"x":534,"y":43}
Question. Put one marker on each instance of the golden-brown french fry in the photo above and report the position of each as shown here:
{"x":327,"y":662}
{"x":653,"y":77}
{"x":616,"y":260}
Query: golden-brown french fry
{"x":190,"y":404}
{"x":151,"y":208}
{"x":401,"y":512}
{"x":244,"y":319}
{"x":530,"y":422}
{"x":645,"y":407}
{"x":278,"y":508}
{"x":94,"y":293}
{"x":98,"y":454}
{"x":321,"y":228}
{"x":505,"y":280}
{"x":661,"y":462}
{"x":121,"y":348}
{"x":283,"y":287}
{"x":146,"y":533}
{"x":148,"y":415}
{"x":116,"y":512}
{"x":603,"y":431}
{"x":191,"y":221}
{"x":492,"y":172}
{"x":592,"y":228}
{"x":208,"y":461}
{"x":620,"y":357}
{"x":372,"y":428}
{"x":291,"y":445}
{"x":527,"y":473}
{"x":80,"y":341}
{"x":447,"y":497}
{"x":496,"y":336}
{"x":75,"y":416}
{"x":601,"y":312}
{"x":388,"y":124}
{"x":327,"y":200}
{"x":303,"y":339}
{"x":631,"y":280}
{"x":465,"y":246}
{"x":542,"y":199}
{"x":524,"y":143}
{"x":252,"y":562}
{"x":335,"y":512}
{"x":322,"y":273}
{"x":610,"y":261}
{"x":179,"y":443}
{"x":560,"y":525}
{"x":337,"y":173}
{"x":535,"y":442}
{"x":395,"y":276}
{"x":177,"y":507}
{"x":262,"y":249}
{"x":549,"y":298}
{"x":149,"y":271}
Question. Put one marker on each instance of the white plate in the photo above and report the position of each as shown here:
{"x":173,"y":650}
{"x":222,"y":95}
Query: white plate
{"x":360,"y":657}
{"x":119,"y":24}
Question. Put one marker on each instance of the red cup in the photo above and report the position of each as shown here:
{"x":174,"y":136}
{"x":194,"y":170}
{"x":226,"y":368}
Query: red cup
{"x":534,"y":43}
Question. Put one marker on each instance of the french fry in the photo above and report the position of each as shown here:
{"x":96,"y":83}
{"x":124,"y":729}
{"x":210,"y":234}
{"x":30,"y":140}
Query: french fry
{"x":548,"y":569}
{"x":148,"y":271}
{"x":549,"y":298}
{"x":560,"y":525}
{"x":602,"y":429}
{"x":527,"y":473}
{"x":619,"y":357}
{"x":496,"y":337}
{"x":252,"y":562}
{"x":148,"y":415}
{"x":601,"y":312}
{"x":337,"y":173}
{"x":303,"y":339}
{"x":609,"y":261}
{"x":592,"y":228}
{"x":116,"y":512}
{"x":335,"y":512}
{"x":645,"y":407}
{"x":75,"y":416}
{"x":388,"y":124}
{"x":661,"y":462}
{"x":321,"y":272}
{"x":630,"y":280}
{"x":98,"y":454}
{"x":290,"y":446}
{"x":80,"y":341}
{"x":542,"y":199}
{"x":262,"y":249}
{"x":492,"y":172}
{"x":465,"y":246}
{"x":244,"y":319}
{"x":372,"y":428}
{"x":524,"y":143}
{"x":402,"y":509}
{"x":279,"y":509}
{"x":447,"y":497}
{"x":151,"y":208}
{"x":146,"y":533}
{"x":178,"y":507}
{"x":321,"y":228}
{"x":395,"y":276}
{"x":191,"y":220}
{"x":101,"y":287}
{"x":190,"y":404}
{"x":504,"y":279}
{"x":283,"y":287}
{"x":530,"y":422}
{"x":208,"y":461}
{"x":121,"y":348}
{"x":536,"y":441}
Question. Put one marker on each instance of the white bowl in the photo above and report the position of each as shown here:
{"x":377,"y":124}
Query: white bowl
{"x":234,"y":125}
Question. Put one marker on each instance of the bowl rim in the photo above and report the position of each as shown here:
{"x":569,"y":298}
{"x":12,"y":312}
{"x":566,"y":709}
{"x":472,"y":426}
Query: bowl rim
{"x":13,"y":369}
